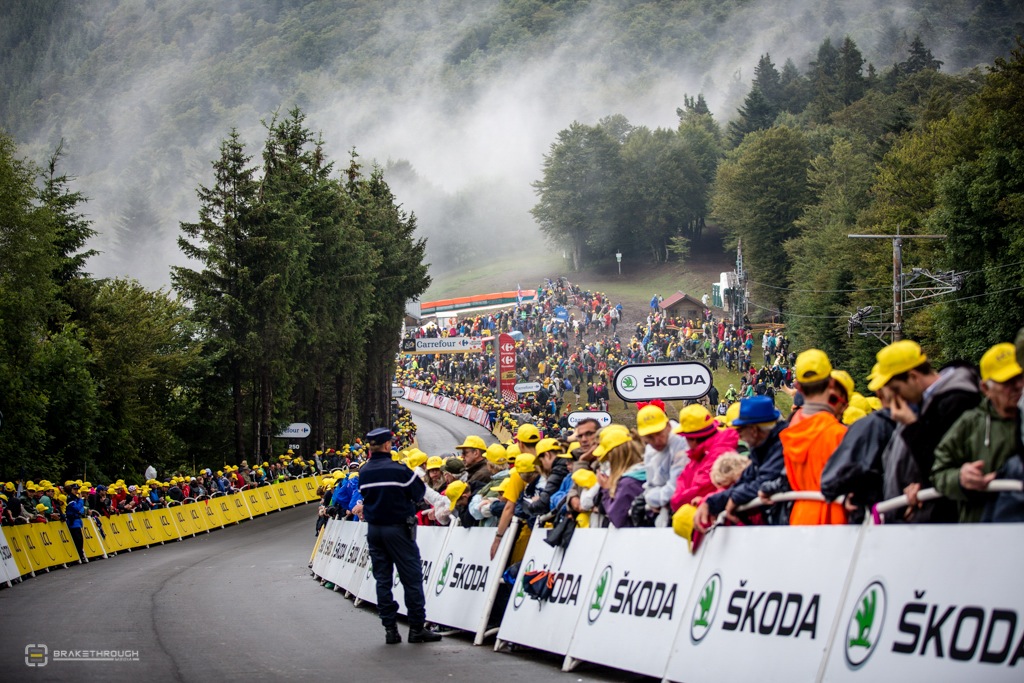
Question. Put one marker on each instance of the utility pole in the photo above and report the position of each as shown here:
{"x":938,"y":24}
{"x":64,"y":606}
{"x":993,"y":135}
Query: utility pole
{"x":934,"y":284}
{"x":738,"y":288}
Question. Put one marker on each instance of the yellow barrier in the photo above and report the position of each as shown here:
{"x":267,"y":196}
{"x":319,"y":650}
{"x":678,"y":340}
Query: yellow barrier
{"x":92,"y":543}
{"x":164,"y":525}
{"x":240,"y":510}
{"x":36,"y":547}
{"x":56,"y":537}
{"x":183,"y":521}
{"x":271,"y":503}
{"x":254,"y":501}
{"x":21,"y":557}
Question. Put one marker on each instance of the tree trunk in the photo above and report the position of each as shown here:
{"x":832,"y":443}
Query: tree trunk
{"x":317,"y":418}
{"x":266,"y":414}
{"x":239,"y":414}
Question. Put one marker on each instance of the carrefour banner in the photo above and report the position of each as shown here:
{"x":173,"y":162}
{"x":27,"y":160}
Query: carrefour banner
{"x":769,"y":592}
{"x":548,"y":624}
{"x":636,"y":601}
{"x":461,"y":590}
{"x":933,"y":603}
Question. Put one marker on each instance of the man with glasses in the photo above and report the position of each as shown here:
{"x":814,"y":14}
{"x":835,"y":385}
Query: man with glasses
{"x":586,"y":435}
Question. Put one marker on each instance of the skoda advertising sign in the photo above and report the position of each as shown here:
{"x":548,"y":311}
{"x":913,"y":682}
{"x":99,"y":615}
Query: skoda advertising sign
{"x":684,"y":380}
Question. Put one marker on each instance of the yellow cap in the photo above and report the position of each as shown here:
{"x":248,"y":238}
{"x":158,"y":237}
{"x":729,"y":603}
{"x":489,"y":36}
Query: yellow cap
{"x":895,"y":359}
{"x":874,"y":402}
{"x":857,"y":400}
{"x":435,"y":462}
{"x":610,"y":437}
{"x":511,"y":451}
{"x":547,"y":445}
{"x":695,"y":421}
{"x":528,"y":433}
{"x":851,"y":415}
{"x":525,"y":463}
{"x":1000,"y":363}
{"x":732,"y":413}
{"x":40,"y":508}
{"x":812,"y":365}
{"x":496,"y":454}
{"x":473,"y":441}
{"x":650,"y":420}
{"x":845,"y":381}
{"x":455,"y":490}
{"x":584,"y":478}
{"x":500,"y":488}
{"x":416,"y":459}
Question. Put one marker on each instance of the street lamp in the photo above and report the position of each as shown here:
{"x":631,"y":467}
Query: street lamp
{"x":618,"y":259}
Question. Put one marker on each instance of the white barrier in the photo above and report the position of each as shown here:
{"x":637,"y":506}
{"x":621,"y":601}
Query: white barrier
{"x":890,"y":602}
{"x":759,"y":590}
{"x":449,"y":405}
{"x":430,"y":540}
{"x":933,"y":603}
{"x":549,"y":625}
{"x":8,"y":567}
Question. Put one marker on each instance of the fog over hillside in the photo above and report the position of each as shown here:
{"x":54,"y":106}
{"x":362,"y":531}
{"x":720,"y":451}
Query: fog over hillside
{"x":447,"y":96}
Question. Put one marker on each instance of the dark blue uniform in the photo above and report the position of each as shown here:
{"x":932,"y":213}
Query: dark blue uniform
{"x":390,"y":493}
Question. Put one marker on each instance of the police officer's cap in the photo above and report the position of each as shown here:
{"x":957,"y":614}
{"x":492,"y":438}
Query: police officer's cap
{"x":379,"y":436}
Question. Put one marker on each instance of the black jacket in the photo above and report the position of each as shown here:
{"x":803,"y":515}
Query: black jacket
{"x":390,"y":490}
{"x":856,"y":465}
{"x":553,"y":482}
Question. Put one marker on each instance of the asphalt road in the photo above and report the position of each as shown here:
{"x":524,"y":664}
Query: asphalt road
{"x":237,"y":604}
{"x":439,"y":432}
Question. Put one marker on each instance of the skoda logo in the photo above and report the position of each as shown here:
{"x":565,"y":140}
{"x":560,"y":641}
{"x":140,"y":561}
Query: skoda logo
{"x":864,"y":629}
{"x":520,"y":594}
{"x":443,"y":578}
{"x":705,"y":608}
{"x":628,"y":383}
{"x":600,"y":594}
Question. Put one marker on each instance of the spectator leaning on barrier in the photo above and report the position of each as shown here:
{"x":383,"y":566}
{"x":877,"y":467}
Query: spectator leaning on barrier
{"x":585,"y":435}
{"x":758,"y":425}
{"x":665,"y":457}
{"x":622,"y":475}
{"x":486,"y":505}
{"x":855,"y":470}
{"x":553,"y":470}
{"x":706,"y":444}
{"x":925,"y":404}
{"x":812,"y":436}
{"x":75,"y":513}
{"x":982,"y":439}
{"x":527,"y":436}
{"x":473,"y":448}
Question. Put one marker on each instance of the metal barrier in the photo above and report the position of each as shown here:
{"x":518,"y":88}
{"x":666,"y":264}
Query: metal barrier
{"x":924,"y":495}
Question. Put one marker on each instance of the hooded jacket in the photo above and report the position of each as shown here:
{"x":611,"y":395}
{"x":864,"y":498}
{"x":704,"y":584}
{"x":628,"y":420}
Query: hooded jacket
{"x":979,"y":434}
{"x":766,"y":464}
{"x":806,"y":447}
{"x":695,"y":479}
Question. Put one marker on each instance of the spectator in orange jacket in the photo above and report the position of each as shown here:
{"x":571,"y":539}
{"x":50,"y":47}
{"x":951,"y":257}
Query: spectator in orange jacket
{"x":809,"y":443}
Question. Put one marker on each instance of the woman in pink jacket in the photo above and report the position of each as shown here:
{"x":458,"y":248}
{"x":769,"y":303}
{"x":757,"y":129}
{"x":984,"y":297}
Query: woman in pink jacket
{"x":706,"y":444}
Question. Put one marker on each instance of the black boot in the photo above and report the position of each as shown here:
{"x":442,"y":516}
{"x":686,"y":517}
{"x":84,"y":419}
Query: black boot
{"x":419,"y":634}
{"x":392,"y":636}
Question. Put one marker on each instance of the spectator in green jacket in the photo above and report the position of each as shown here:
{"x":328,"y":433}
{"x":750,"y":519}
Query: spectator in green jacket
{"x":983,"y":438}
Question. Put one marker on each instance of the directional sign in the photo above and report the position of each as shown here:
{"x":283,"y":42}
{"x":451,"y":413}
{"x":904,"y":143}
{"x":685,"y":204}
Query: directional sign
{"x":296,"y":430}
{"x":397,"y":391}
{"x":444,"y":345}
{"x":527,"y":387}
{"x":668,"y":381}
{"x":603,"y":419}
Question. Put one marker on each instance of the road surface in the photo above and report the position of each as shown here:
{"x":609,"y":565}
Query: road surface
{"x":239,"y":604}
{"x":439,"y":432}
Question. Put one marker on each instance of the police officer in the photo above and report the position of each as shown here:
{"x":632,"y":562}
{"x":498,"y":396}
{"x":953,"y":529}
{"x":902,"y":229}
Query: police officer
{"x":390,"y":493}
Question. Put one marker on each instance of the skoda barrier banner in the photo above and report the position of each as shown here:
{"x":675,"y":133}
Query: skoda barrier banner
{"x":933,"y":603}
{"x":430,"y":540}
{"x":463,"y":578}
{"x":348,"y":567}
{"x":668,"y":381}
{"x":760,"y":595}
{"x":548,"y":625}
{"x":636,"y":601}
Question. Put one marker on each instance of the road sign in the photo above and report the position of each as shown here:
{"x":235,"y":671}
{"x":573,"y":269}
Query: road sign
{"x":527,"y":387}
{"x":296,"y":430}
{"x":668,"y":381}
{"x":443,"y":345}
{"x":603,"y":419}
{"x":397,"y":391}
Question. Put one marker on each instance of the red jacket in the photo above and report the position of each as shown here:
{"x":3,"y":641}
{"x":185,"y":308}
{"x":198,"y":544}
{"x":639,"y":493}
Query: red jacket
{"x":695,"y":479}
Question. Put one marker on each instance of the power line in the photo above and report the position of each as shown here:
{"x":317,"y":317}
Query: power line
{"x":963,"y":298}
{"x":796,"y":315}
{"x":869,"y":289}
